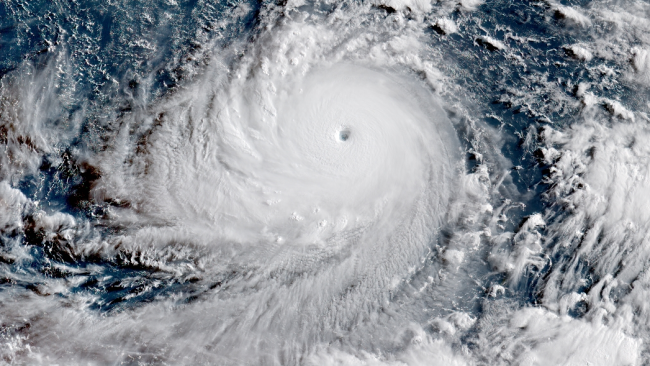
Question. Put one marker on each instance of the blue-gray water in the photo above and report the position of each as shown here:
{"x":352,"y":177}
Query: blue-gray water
{"x":176,"y":188}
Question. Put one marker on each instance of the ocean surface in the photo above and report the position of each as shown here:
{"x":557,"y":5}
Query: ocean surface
{"x":382,"y":182}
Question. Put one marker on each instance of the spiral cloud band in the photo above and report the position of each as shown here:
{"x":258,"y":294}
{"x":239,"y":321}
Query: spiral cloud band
{"x":328,"y":186}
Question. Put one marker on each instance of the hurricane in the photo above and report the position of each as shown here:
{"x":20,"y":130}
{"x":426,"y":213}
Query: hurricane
{"x":383,"y":182}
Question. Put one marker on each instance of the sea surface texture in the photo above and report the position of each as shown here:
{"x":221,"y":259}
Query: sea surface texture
{"x":335,"y":182}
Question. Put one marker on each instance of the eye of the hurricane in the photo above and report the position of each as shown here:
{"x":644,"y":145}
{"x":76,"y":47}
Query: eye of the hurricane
{"x":344,"y":135}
